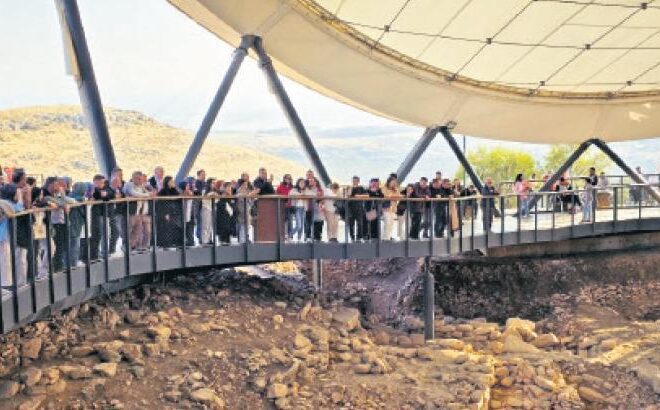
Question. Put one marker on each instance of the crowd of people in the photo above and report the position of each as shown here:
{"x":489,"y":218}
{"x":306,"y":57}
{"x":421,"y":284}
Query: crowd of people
{"x":200,"y":210}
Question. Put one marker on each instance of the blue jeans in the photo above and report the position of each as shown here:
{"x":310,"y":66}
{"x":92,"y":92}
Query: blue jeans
{"x":586,"y":211}
{"x":299,"y":224}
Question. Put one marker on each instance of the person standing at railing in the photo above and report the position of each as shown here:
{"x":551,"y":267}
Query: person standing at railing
{"x":101,"y":192}
{"x":244,"y":200}
{"x":374,"y":209}
{"x":9,"y":205}
{"x":470,"y":208}
{"x":140,"y":221}
{"x":206,"y":218}
{"x":56,"y":197}
{"x":356,"y":213}
{"x":403,"y":212}
{"x":521,"y":188}
{"x":117,"y":217}
{"x":76,"y":222}
{"x":299,"y":208}
{"x":391,"y":192}
{"x":488,"y":203}
{"x":415,"y":209}
{"x":169,"y":220}
{"x":441,"y":190}
{"x":157,"y":179}
{"x":314,"y":216}
{"x":587,"y":198}
{"x":23,"y":223}
{"x":422,"y":190}
{"x":329,"y":209}
{"x":200,"y":189}
{"x":225,"y":210}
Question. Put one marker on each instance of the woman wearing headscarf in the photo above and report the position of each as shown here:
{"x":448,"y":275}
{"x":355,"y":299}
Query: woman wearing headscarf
{"x":169,"y":222}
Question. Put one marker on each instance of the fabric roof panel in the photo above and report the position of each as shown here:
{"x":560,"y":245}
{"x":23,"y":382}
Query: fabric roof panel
{"x":427,"y":16}
{"x":370,"y":12}
{"x":483,"y":19}
{"x":538,"y":21}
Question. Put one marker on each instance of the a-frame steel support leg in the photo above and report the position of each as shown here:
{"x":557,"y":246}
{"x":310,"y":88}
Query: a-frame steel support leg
{"x":565,"y":166}
{"x":421,"y":146}
{"x":254,"y":42}
{"x":290,"y":112}
{"x":416,"y":152}
{"x":214,"y":108}
{"x":80,"y":65}
{"x":625,"y":168}
{"x":461,"y":158}
{"x":611,"y":154}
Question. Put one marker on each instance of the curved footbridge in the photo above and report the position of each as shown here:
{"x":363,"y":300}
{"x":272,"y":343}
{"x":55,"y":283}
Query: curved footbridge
{"x":71,"y":284}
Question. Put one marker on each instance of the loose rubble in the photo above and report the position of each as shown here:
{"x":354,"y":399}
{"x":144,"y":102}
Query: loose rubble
{"x":224,"y":341}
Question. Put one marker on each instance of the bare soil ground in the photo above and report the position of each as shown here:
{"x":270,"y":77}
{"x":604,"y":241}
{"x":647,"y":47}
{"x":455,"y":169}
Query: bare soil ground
{"x":229,"y":340}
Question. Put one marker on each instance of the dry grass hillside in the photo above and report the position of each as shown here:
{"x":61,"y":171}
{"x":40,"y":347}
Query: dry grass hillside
{"x":54,"y":141}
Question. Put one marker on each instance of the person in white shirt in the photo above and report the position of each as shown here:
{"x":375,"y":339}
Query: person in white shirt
{"x":330,"y":211}
{"x":140,"y":221}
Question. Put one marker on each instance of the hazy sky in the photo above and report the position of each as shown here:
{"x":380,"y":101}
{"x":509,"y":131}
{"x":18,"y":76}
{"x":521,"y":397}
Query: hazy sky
{"x":149,"y":57}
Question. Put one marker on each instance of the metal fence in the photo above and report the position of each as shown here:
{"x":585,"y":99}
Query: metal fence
{"x":53,"y":254}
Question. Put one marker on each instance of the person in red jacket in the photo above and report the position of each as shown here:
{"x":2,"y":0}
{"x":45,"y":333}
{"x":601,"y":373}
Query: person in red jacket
{"x":283,"y":189}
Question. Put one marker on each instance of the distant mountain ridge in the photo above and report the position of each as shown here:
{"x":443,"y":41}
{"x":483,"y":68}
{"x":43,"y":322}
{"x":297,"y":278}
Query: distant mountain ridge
{"x":54,"y":140}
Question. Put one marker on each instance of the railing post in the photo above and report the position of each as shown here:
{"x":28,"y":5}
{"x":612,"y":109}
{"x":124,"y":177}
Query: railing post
{"x":33,"y":263}
{"x":184,"y":225}
{"x":616,"y":205}
{"x":12,"y":257}
{"x":459,"y":210}
{"x":88,"y":271}
{"x":536,"y":221}
{"x":49,"y":250}
{"x":214,"y":223}
{"x":106,"y":247}
{"x":278,"y":228}
{"x":154,"y":236}
{"x":124,"y":239}
{"x":429,"y":301}
{"x":502,"y":220}
{"x":67,"y":247}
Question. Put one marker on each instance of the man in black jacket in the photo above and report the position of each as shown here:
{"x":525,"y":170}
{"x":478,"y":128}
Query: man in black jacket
{"x":488,"y":203}
{"x":356,"y":213}
{"x":441,"y":189}
{"x":200,"y":188}
{"x":422,"y":190}
{"x":102,"y":192}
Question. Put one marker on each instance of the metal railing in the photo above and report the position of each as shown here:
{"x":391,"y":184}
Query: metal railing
{"x":58,"y":252}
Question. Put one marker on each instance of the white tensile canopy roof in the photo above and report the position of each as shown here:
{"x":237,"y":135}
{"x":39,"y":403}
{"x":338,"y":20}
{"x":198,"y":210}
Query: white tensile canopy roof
{"x":546,"y":71}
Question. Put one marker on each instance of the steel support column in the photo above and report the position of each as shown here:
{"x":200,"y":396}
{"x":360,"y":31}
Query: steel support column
{"x":214,"y":108}
{"x":80,"y":65}
{"x":418,"y":149}
{"x":290,"y":112}
{"x":565,"y":166}
{"x":476,"y":181}
{"x":625,"y":168}
{"x":429,"y":300}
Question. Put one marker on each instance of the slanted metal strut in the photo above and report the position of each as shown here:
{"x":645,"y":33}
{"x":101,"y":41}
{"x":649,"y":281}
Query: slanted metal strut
{"x":424,"y":142}
{"x":254,"y":42}
{"x":79,"y":64}
{"x":290,"y":112}
{"x":602,"y":145}
{"x":214,"y":108}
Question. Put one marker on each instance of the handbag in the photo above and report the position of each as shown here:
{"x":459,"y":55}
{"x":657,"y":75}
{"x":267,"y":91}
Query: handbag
{"x":372,"y":215}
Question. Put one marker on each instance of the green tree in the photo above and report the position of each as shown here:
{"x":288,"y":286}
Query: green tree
{"x":499,"y":163}
{"x":591,"y":158}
